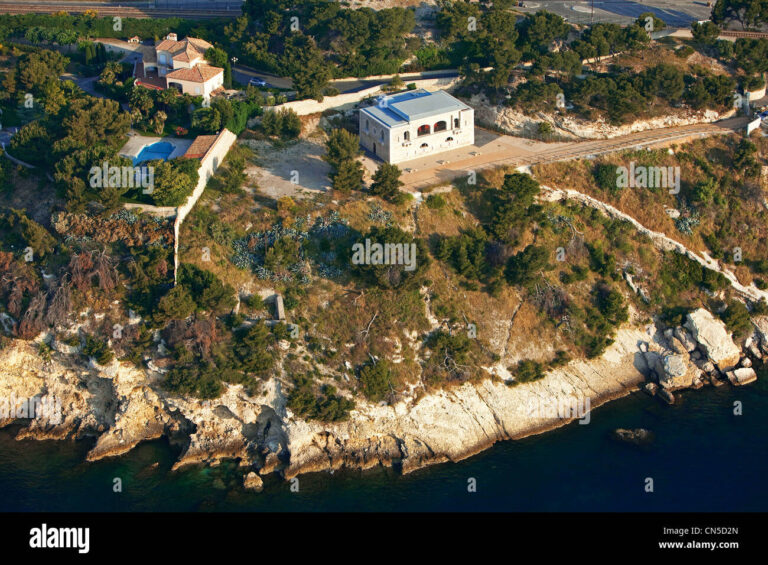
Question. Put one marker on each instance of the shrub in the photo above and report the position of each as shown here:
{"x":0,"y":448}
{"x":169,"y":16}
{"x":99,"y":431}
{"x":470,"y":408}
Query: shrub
{"x":205,"y":288}
{"x":736,"y":318}
{"x":435,"y":201}
{"x":528,"y":371}
{"x":98,"y":349}
{"x":254,"y":302}
{"x":327,"y":407}
{"x":176,"y":305}
{"x":376,"y":380}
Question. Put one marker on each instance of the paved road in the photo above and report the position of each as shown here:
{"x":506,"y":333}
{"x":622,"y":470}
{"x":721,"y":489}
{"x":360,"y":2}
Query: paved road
{"x":355,"y":84}
{"x":132,"y":10}
{"x":495,"y":151}
{"x":676,"y":13}
{"x":243,"y":74}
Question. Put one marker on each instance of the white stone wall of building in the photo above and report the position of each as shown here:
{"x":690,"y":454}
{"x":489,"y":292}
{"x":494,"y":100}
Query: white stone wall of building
{"x":392,"y":146}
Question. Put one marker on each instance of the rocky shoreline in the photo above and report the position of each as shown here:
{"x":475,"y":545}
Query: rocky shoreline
{"x":123,"y":405}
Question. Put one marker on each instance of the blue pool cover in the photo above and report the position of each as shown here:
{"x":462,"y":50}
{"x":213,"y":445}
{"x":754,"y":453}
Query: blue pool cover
{"x":160,"y":150}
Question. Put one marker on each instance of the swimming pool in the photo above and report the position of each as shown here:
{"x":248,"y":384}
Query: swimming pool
{"x":158,"y":150}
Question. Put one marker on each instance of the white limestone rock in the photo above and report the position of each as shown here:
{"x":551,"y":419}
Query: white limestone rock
{"x":742,"y":376}
{"x":678,"y":372}
{"x":714,"y":339}
{"x":253,"y":482}
{"x":685,"y":338}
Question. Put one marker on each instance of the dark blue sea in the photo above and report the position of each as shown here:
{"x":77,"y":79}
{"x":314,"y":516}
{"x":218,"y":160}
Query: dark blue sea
{"x":704,"y":458}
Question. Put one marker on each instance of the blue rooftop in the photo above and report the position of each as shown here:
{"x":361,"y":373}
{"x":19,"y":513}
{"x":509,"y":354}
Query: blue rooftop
{"x":398,"y":109}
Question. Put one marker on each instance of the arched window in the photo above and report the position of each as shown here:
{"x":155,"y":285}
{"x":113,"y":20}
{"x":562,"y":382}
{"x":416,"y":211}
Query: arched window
{"x":381,"y":135}
{"x":448,"y":139}
{"x":366,"y":126}
{"x":455,"y":123}
{"x":406,"y":136}
{"x":423,"y":130}
{"x":424,"y":145}
{"x":440,"y":126}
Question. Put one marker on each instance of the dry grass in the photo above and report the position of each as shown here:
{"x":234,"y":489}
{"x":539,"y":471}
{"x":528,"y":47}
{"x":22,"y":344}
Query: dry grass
{"x":741,"y":220}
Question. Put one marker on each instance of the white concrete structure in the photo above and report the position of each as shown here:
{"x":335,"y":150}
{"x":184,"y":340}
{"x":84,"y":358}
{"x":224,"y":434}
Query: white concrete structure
{"x":412,"y":124}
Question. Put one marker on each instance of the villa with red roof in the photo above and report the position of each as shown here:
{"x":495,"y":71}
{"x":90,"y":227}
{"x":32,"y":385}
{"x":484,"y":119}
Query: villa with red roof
{"x":181,"y":65}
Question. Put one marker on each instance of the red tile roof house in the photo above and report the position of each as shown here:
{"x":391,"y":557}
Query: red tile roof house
{"x":181,"y":65}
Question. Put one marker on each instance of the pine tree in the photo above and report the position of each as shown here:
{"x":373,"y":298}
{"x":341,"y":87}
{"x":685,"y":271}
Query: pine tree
{"x":387,"y":183}
{"x":348,"y":176}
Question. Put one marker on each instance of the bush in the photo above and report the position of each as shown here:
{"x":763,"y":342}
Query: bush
{"x":98,"y":349}
{"x":327,"y":407}
{"x":252,"y":349}
{"x":736,"y":318}
{"x":176,"y":305}
{"x":528,"y":371}
{"x":605,"y":177}
{"x":435,"y":202}
{"x":205,"y":288}
{"x":254,"y":303}
{"x":376,"y":380}
{"x":684,"y":52}
{"x":524,"y":267}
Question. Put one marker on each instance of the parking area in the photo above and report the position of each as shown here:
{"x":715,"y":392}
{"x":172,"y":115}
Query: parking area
{"x":489,"y":147}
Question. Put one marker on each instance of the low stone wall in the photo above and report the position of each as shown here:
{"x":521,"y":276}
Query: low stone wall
{"x":159,"y":211}
{"x":208,"y":166}
{"x":348,"y":100}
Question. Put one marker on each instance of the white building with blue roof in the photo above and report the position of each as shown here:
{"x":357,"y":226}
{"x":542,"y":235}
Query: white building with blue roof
{"x":412,"y":124}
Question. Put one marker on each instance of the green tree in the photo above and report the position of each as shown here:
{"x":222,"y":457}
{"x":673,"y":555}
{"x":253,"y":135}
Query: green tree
{"x":705,"y":190}
{"x":208,"y":292}
{"x":176,"y":305}
{"x":342,"y":150}
{"x":252,"y":349}
{"x":376,"y":380}
{"x":271,"y":123}
{"x":53,"y":97}
{"x":514,"y":206}
{"x":172,"y":184}
{"x":206,"y":120}
{"x":407,"y":262}
{"x":705,"y":33}
{"x":348,"y":176}
{"x":340,"y":147}
{"x":290,"y":123}
{"x":525,"y":266}
{"x":305,"y":64}
{"x":657,"y":24}
{"x":387,"y":183}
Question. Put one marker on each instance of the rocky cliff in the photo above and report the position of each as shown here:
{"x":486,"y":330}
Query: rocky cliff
{"x":569,"y":126}
{"x":125,"y":406}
